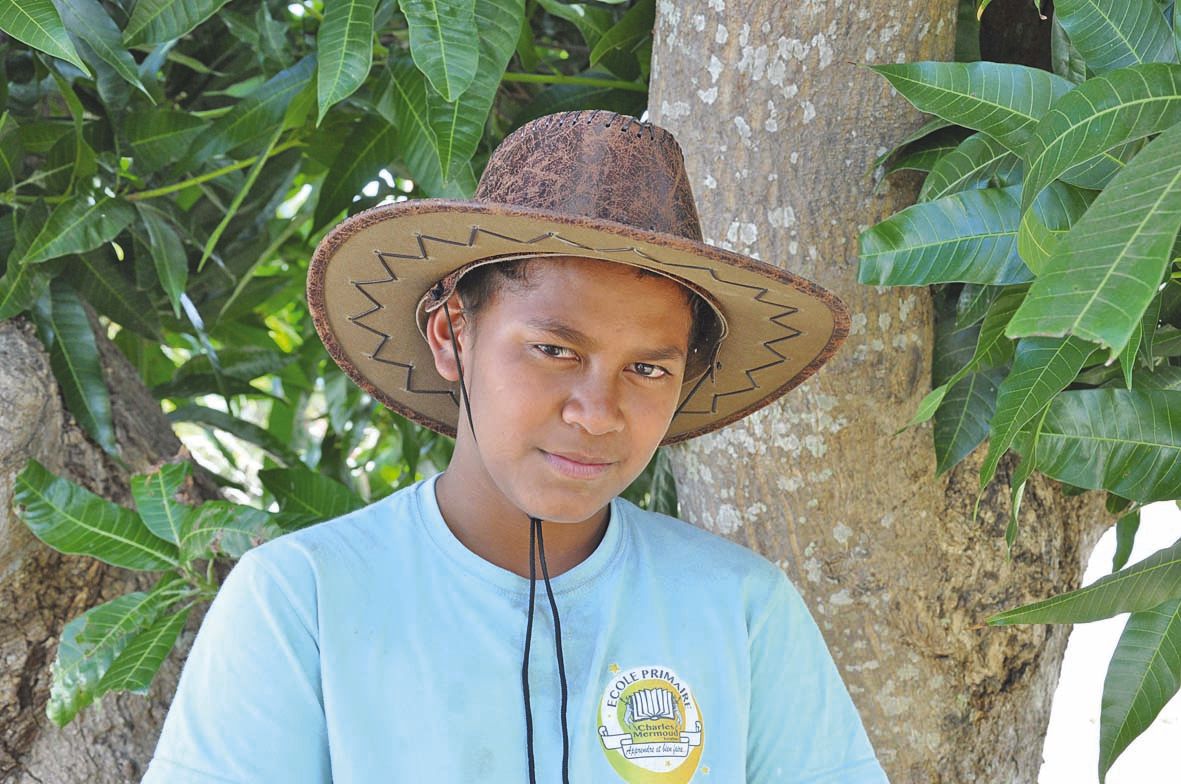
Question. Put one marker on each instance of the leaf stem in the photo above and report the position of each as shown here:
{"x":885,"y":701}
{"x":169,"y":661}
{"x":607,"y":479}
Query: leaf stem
{"x":589,"y":81}
{"x":200,"y":178}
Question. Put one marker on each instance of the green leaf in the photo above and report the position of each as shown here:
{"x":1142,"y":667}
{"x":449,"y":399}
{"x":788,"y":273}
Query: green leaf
{"x":219,"y":527}
{"x":160,"y":136}
{"x":154,"y":21}
{"x":931,"y":126}
{"x":458,"y":126}
{"x":1057,"y":209}
{"x":79,"y":224}
{"x":1163,"y":377}
{"x":1127,"y":442}
{"x":961,"y":422}
{"x":1125,"y":538}
{"x":632,"y":28}
{"x":1142,"y":586}
{"x":1113,"y":35}
{"x":344,"y":49}
{"x":90,"y":642}
{"x":300,"y":490}
{"x":155,"y":500}
{"x":168,"y":254}
{"x":1144,"y":674}
{"x":568,"y":97}
{"x":971,"y":164}
{"x":444,"y":42}
{"x":973,"y":302}
{"x":71,"y":519}
{"x":1098,"y":115}
{"x":38,"y":24}
{"x":923,"y":154}
{"x":133,"y":669}
{"x":1003,"y":100}
{"x":593,"y":23}
{"x":1064,"y":57}
{"x":404,"y":102}
{"x":1108,"y":267}
{"x":255,"y":117}
{"x":11,"y":152}
{"x":104,"y":286}
{"x":968,"y":236}
{"x":1042,"y":367}
{"x":372,"y":145}
{"x":88,"y":20}
{"x":248,"y":431}
{"x":74,"y":358}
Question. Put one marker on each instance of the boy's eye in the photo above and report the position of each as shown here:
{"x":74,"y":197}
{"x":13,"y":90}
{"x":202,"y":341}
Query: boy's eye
{"x":553,"y":351}
{"x":650,"y":371}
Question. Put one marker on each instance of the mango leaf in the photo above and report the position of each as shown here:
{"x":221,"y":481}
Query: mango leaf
{"x":372,"y":145}
{"x":105,"y":287}
{"x":344,"y":49}
{"x":247,"y":431}
{"x":38,"y":24}
{"x":968,"y":236}
{"x":444,"y":42}
{"x":568,"y":97}
{"x":11,"y":152}
{"x":255,"y":117}
{"x":403,"y":101}
{"x":961,"y":422}
{"x":1144,"y":674}
{"x":160,"y":136}
{"x":300,"y":490}
{"x":972,"y":164}
{"x":632,"y":28}
{"x":923,"y":154}
{"x":1127,"y":442}
{"x":973,"y":302}
{"x":1003,"y":100}
{"x":1065,"y":59}
{"x":924,"y":130}
{"x":1142,"y":586}
{"x":168,"y":254}
{"x":1114,"y":35}
{"x":1125,"y":537}
{"x":73,"y":356}
{"x":458,"y":126}
{"x":133,"y":669}
{"x":155,"y":499}
{"x":90,"y":642}
{"x":1100,"y":114}
{"x":1108,"y":267}
{"x":219,"y":527}
{"x":88,"y":20}
{"x":154,"y":21}
{"x":1040,"y":229}
{"x":71,"y":519}
{"x":79,"y":224}
{"x":1163,"y":377}
{"x":1042,"y":367}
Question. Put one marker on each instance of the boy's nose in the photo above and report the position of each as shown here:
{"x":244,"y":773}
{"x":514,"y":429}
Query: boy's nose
{"x":593,"y":405}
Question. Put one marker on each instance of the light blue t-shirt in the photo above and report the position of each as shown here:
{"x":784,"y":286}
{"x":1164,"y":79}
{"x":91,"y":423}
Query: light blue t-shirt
{"x":377,"y":649}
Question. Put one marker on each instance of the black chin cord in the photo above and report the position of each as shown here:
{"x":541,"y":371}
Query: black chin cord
{"x":536,"y":550}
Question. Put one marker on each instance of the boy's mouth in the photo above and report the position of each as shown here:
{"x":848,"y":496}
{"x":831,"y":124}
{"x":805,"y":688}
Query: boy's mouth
{"x":576,"y":465}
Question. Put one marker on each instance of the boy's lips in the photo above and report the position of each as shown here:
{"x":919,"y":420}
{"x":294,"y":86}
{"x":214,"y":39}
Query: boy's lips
{"x":578,"y":465}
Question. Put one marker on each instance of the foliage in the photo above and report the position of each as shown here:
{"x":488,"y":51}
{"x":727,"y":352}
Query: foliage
{"x":1050,"y":234}
{"x":166,"y":168}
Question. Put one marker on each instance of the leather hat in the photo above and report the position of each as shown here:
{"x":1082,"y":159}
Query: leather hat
{"x":592,"y":184}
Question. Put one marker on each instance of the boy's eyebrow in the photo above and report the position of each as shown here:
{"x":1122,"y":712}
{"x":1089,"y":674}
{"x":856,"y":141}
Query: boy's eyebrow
{"x":571,"y":335}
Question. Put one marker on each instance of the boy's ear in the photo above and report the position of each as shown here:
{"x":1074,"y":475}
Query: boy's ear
{"x":438,"y":335}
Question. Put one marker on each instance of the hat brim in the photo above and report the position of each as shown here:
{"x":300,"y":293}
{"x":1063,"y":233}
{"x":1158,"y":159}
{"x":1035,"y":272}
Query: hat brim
{"x":368,"y":275}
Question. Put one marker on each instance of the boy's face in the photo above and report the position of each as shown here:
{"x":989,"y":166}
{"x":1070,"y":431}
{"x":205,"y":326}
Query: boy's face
{"x":573,"y":380}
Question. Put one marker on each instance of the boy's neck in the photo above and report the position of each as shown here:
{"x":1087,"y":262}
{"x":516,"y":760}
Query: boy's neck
{"x":492,"y":528}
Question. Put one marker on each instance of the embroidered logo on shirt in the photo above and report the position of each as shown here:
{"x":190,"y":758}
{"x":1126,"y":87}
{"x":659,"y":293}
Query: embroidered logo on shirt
{"x":650,"y":725}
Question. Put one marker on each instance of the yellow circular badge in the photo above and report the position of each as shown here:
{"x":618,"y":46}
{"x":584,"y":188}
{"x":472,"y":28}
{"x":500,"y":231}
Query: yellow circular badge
{"x":651,"y":726}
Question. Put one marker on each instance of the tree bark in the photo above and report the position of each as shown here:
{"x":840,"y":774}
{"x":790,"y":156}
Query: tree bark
{"x":41,"y":589}
{"x":780,"y":126}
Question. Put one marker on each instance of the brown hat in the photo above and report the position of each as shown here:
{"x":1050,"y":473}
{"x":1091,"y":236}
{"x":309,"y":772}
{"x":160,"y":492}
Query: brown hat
{"x":592,"y":184}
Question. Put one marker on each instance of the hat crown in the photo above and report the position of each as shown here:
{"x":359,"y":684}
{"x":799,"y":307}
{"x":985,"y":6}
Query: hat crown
{"x":597,"y":165}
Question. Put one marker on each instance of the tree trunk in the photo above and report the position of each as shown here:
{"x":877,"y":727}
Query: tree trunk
{"x":41,"y":589}
{"x":780,"y":127}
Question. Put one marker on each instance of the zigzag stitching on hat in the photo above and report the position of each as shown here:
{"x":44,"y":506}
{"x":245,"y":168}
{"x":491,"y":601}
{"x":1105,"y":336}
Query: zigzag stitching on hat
{"x":761,"y":293}
{"x":359,"y":285}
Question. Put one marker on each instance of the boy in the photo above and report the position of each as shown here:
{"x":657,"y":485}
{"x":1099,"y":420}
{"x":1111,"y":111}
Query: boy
{"x":569,"y":320}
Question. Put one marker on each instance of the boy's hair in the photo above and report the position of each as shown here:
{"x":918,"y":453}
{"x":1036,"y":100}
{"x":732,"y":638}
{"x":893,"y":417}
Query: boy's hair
{"x":479,"y":286}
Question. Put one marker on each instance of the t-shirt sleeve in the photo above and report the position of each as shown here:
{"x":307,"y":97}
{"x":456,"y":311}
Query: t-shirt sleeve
{"x":804,"y":727}
{"x":249,"y":706}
